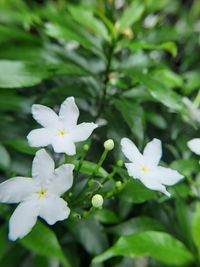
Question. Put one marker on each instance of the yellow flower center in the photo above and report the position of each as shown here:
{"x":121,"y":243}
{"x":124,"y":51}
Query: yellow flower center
{"x":41,"y":193}
{"x":61,"y":133}
{"x":144,"y":169}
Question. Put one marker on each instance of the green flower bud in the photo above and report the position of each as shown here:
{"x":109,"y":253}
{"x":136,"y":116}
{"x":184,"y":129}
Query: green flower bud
{"x":91,"y":182}
{"x":109,"y":144}
{"x":86,"y":147}
{"x":119,"y":163}
{"x":97,"y":201}
{"x":118,"y":184}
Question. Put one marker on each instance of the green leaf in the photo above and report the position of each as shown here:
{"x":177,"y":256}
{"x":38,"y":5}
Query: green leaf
{"x":139,"y":45}
{"x":30,"y":74}
{"x":43,"y":241}
{"x":3,"y":241}
{"x":133,"y":115}
{"x":136,"y":225}
{"x":131,"y":15}
{"x":106,"y":216}
{"x":90,"y":233}
{"x":4,"y":158}
{"x":89,"y":167}
{"x":60,"y":32}
{"x":186,"y":166}
{"x":169,"y":78}
{"x":21,"y":146}
{"x":158,"y":90}
{"x":196,"y":226}
{"x":10,"y":100}
{"x":23,"y":74}
{"x":87,"y":19}
{"x":157,"y":245}
{"x":183,"y":215}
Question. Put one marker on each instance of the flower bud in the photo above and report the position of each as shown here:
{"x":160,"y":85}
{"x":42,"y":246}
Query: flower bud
{"x":119,"y":163}
{"x":118,"y":184}
{"x":109,"y":144}
{"x":86,"y":147}
{"x":97,"y":201}
{"x":91,"y":182}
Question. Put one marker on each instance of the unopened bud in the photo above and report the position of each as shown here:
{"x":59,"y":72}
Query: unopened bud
{"x":119,"y":163}
{"x":97,"y":201}
{"x":86,"y":147}
{"x":118,"y":184}
{"x":91,"y":182}
{"x":109,"y":144}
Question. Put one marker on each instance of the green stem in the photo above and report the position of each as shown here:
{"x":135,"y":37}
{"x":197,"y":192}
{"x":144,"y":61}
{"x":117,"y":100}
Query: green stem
{"x":101,"y":161}
{"x":106,"y":80}
{"x":80,"y":164}
{"x":99,"y":164}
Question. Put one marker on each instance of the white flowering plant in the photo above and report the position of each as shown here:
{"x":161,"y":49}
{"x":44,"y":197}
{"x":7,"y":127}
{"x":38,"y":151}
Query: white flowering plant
{"x":99,"y":140}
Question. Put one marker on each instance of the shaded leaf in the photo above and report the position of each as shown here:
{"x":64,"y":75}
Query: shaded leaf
{"x":43,"y":241}
{"x":160,"y":246}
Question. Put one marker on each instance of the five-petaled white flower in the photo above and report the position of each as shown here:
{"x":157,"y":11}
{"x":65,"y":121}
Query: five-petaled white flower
{"x":194,"y":145}
{"x":59,"y":131}
{"x":145,"y":167}
{"x":38,"y":196}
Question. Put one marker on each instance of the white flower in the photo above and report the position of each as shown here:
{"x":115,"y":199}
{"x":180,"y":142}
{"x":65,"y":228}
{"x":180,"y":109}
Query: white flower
{"x":194,"y":145}
{"x":39,"y":196}
{"x":59,"y":131}
{"x":145,"y":167}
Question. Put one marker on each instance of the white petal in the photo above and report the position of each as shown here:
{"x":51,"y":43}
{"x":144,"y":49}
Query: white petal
{"x":152,"y":183}
{"x":62,"y":179}
{"x":194,"y":145}
{"x":16,"y":189}
{"x":43,"y":166}
{"x":40,"y":137}
{"x":133,"y":170}
{"x":69,"y":112}
{"x":153,"y":152}
{"x":53,"y":209}
{"x":168,"y":176}
{"x":130,"y":150}
{"x":45,"y":116}
{"x":22,"y":220}
{"x":82,"y":131}
{"x":64,"y":145}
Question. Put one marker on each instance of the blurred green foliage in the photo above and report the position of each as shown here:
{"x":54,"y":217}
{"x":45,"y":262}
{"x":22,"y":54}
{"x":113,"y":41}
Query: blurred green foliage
{"x":128,"y":64}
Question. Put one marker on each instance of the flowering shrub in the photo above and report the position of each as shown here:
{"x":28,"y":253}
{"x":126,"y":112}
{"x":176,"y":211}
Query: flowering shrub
{"x":104,"y":80}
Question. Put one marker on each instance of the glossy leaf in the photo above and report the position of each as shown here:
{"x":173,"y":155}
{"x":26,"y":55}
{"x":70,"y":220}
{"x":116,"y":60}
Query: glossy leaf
{"x":158,"y":245}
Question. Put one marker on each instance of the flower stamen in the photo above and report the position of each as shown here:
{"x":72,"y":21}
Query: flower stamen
{"x":41,"y":193}
{"x":144,"y":169}
{"x":61,"y":133}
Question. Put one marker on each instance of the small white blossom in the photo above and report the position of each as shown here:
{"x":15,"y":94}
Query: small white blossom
{"x":145,"y":166}
{"x":62,"y":132}
{"x":109,"y":144}
{"x":38,"y":196}
{"x":194,"y":145}
{"x":97,"y":201}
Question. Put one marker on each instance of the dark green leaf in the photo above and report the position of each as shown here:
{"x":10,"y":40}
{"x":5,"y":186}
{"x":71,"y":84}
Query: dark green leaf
{"x":90,"y":234}
{"x":136,"y":225}
{"x":43,"y":241}
{"x":160,"y":246}
{"x":133,"y":115}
